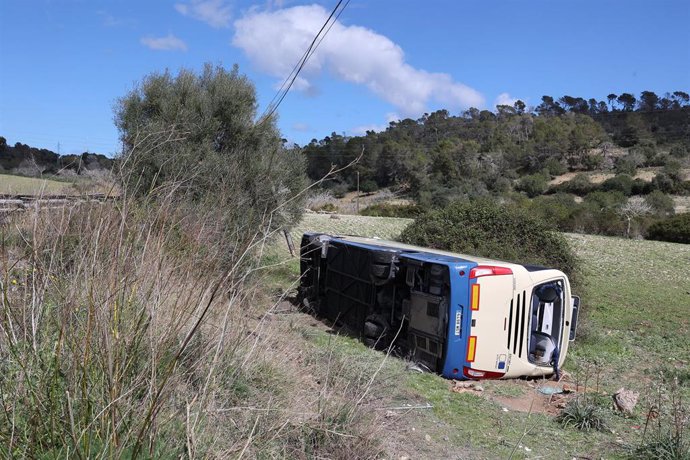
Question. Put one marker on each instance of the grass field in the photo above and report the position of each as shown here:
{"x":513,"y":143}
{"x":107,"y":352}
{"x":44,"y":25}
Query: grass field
{"x":633,"y":333}
{"x":18,"y":185}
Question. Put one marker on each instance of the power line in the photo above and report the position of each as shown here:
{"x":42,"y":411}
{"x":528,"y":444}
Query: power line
{"x":318,"y":38}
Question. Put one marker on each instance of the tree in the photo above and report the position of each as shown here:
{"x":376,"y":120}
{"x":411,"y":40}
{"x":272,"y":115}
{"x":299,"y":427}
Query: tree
{"x":627,"y":100}
{"x":549,"y":107}
{"x":648,"y":101}
{"x":197,"y":137}
{"x":633,"y":210}
{"x":681,"y":98}
{"x":612,"y":99}
{"x":519,"y":107}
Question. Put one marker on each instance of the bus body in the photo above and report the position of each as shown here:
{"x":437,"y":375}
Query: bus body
{"x":461,"y":316}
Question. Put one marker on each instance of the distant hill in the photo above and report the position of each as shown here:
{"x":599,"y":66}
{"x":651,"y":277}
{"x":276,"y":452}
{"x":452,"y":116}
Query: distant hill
{"x":441,"y":156}
{"x":31,"y":161}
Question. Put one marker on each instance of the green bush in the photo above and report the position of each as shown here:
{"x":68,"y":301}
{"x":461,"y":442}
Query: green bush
{"x":626,"y":165}
{"x":555,"y":167}
{"x":489,"y":229}
{"x":678,"y":151}
{"x":533,"y":185}
{"x":675,"y":229}
{"x":583,"y":414}
{"x":368,"y":186}
{"x":410,"y":211}
{"x":557,"y":209}
{"x":579,"y":185}
{"x":661,"y":204}
{"x":622,"y":182}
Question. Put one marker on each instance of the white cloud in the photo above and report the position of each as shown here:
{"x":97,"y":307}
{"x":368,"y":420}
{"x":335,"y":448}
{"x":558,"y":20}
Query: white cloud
{"x":215,"y":13}
{"x":505,"y":99}
{"x":276,"y":40}
{"x":301,"y":127}
{"x":167,"y":43}
{"x":362,"y":130}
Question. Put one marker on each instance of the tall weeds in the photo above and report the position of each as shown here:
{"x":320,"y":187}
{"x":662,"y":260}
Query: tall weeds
{"x":102,"y":309}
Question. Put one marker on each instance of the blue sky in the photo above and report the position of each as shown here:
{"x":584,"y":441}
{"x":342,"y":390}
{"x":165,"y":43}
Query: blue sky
{"x":64,"y":63}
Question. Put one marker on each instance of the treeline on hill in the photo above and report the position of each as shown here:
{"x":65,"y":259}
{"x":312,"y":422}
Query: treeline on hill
{"x":441,"y":157}
{"x":31,"y":161}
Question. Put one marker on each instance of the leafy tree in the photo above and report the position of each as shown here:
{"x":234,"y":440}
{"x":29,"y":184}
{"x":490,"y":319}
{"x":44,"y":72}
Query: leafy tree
{"x":648,"y":101}
{"x":196,"y":136}
{"x":627,"y":100}
{"x":612,"y":99}
{"x":533,"y":185}
{"x":660,"y":203}
{"x":681,"y":98}
{"x":519,"y":107}
{"x":549,"y":107}
{"x":675,"y":229}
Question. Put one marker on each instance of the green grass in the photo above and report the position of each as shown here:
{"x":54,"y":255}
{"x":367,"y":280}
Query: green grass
{"x":633,"y":327}
{"x":19,"y":185}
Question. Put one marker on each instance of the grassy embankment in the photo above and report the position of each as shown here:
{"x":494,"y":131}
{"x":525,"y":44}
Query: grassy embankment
{"x":633,"y":333}
{"x":19,"y":185}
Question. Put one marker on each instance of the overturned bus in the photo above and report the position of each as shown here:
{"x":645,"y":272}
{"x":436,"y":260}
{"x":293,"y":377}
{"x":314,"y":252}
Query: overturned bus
{"x":461,"y":316}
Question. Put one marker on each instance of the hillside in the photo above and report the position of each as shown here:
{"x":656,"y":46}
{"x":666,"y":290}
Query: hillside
{"x":632,"y":334}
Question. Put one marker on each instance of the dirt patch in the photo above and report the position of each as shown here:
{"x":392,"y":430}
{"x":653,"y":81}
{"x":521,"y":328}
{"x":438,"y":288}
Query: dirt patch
{"x":527,"y":396}
{"x":597,"y":177}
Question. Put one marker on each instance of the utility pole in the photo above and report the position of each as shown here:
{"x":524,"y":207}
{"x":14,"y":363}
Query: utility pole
{"x":357,"y":192}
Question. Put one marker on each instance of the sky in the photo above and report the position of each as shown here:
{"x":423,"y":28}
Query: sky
{"x":65,"y":63}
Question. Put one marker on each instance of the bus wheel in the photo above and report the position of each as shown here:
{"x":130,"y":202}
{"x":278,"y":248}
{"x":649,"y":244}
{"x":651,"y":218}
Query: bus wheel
{"x":376,"y":331}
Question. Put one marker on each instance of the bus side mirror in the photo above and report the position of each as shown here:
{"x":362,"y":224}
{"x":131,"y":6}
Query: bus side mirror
{"x":575,"y":300}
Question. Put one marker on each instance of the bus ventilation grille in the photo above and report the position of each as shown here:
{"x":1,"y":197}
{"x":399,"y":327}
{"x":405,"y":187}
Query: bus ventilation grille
{"x":517,"y":321}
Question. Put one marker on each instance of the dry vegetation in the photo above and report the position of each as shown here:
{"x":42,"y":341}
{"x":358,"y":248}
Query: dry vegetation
{"x":18,"y":185}
{"x":123,"y":334}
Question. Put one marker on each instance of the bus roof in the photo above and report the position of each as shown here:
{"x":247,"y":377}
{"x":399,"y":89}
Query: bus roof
{"x":448,"y":257}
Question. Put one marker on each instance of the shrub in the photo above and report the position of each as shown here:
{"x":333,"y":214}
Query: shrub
{"x":393,"y":210}
{"x":557,"y":209}
{"x":488,"y":229}
{"x":368,"y":186}
{"x":675,"y":229}
{"x":579,"y":185}
{"x":678,"y":151}
{"x":622,"y":182}
{"x":627,"y":165}
{"x":583,"y":414}
{"x":533,"y":185}
{"x":663,"y":182}
{"x":606,"y":200}
{"x":555,"y":167}
{"x":660,"y":203}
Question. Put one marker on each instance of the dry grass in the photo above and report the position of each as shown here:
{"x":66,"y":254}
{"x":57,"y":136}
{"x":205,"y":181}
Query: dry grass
{"x":123,"y":335}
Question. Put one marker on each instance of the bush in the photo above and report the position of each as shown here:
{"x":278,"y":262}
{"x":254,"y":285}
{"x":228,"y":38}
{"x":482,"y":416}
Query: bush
{"x":583,"y":414}
{"x":410,"y":211}
{"x":557,"y":209}
{"x":368,"y":186}
{"x":678,"y":151}
{"x":627,"y":165}
{"x":555,"y":167}
{"x":661,"y":204}
{"x":488,"y":229}
{"x":579,"y":185}
{"x":622,"y":183}
{"x":533,"y":185}
{"x":675,"y":229}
